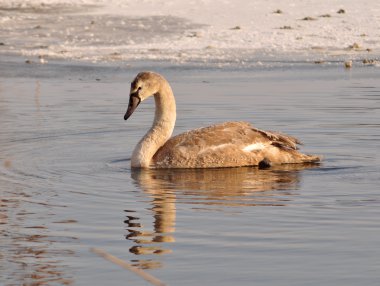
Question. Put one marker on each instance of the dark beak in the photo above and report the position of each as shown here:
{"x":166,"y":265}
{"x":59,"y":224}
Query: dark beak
{"x":134,"y":101}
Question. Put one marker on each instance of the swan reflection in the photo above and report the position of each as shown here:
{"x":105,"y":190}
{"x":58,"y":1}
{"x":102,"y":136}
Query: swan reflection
{"x":223,"y":189}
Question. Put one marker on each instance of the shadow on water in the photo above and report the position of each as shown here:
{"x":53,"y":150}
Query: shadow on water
{"x":203,"y":189}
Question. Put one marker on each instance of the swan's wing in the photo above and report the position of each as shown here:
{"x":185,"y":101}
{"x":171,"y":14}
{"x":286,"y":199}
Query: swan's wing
{"x":222,"y":145}
{"x":281,"y":140}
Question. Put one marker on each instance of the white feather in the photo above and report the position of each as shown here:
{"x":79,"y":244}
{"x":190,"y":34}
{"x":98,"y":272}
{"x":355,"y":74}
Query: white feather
{"x":254,"y":147}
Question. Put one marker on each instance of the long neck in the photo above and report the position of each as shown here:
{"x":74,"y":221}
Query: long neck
{"x":161,"y":129}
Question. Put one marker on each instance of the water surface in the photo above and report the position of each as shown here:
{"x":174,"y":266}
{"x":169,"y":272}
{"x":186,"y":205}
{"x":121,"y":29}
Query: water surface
{"x":66,"y":184}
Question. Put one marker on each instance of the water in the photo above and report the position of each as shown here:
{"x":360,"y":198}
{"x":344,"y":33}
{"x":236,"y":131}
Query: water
{"x":66,"y":184}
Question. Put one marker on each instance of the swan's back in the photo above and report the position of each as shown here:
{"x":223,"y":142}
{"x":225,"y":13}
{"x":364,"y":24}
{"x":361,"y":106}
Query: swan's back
{"x":229,"y":144}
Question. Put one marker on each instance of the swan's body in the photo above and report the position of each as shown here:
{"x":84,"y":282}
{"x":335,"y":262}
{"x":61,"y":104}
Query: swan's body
{"x":229,"y":144}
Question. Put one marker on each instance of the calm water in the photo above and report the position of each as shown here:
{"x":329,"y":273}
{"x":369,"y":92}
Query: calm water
{"x":66,"y":184}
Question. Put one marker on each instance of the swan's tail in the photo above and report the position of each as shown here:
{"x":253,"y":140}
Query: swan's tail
{"x":307,"y":158}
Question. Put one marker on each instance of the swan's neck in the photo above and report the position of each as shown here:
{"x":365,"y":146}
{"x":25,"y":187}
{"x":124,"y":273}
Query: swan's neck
{"x":160,"y":131}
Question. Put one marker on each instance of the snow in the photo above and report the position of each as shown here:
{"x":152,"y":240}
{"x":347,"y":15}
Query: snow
{"x":194,"y":30}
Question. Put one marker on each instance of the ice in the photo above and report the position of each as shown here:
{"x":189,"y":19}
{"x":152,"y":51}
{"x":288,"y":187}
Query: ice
{"x":203,"y":31}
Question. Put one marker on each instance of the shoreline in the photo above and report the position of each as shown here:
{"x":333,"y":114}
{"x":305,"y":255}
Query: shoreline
{"x":19,"y":66}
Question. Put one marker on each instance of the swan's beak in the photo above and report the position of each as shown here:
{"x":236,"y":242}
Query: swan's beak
{"x":134,"y":101}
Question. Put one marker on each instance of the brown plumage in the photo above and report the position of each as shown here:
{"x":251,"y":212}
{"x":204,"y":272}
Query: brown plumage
{"x":229,"y":144}
{"x":222,"y":145}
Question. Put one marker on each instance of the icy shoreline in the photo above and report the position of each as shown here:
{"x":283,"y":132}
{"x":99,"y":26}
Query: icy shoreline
{"x":203,"y":31}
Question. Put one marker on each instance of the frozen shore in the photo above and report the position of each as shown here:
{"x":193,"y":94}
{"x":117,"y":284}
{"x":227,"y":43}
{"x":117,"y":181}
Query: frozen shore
{"x":202,"y":31}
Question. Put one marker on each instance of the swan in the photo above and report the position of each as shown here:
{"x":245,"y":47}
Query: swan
{"x":228,"y":144}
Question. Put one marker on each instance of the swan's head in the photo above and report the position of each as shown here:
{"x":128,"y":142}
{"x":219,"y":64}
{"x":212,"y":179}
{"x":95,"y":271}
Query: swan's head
{"x":143,"y":86}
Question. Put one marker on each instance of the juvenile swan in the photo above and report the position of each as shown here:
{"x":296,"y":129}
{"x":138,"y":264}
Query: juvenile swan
{"x":229,"y":144}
